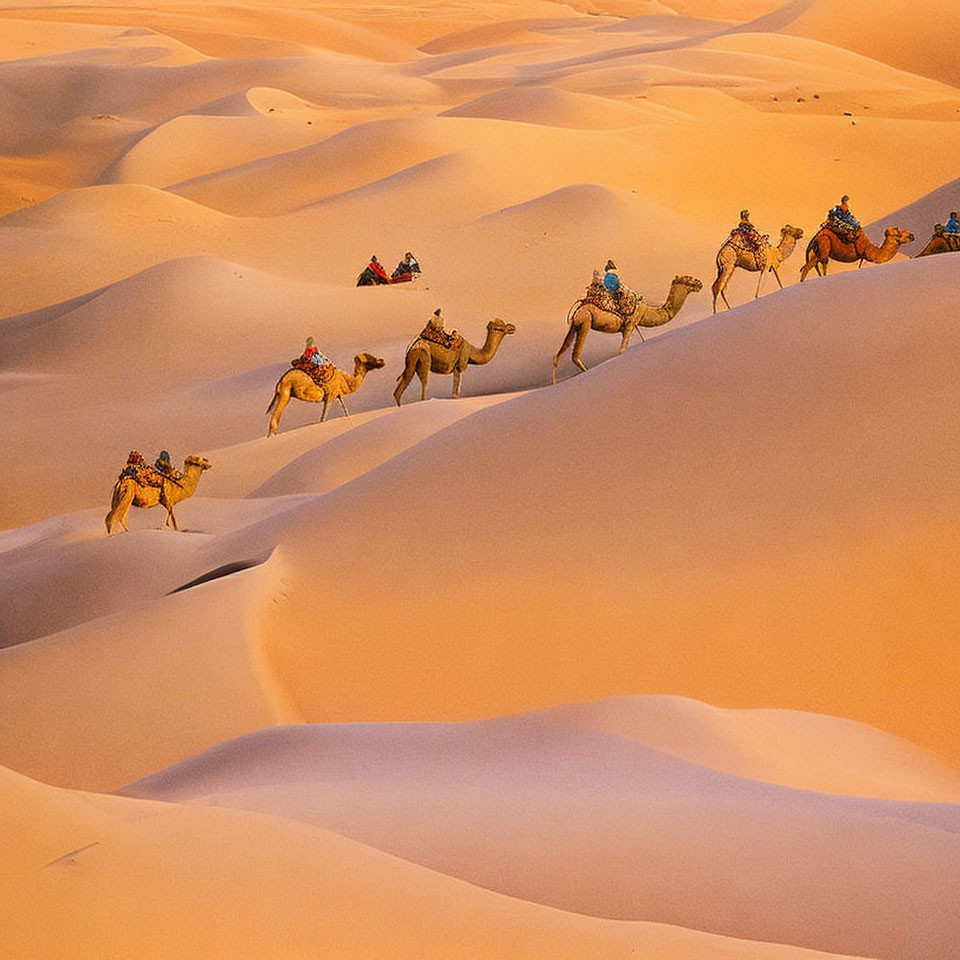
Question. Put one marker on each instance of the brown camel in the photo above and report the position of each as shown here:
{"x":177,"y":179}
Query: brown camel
{"x":127,"y":492}
{"x":586,"y":316}
{"x":940,"y":243}
{"x":826,"y":246}
{"x":425,"y":357}
{"x":730,"y":256}
{"x":297,"y":383}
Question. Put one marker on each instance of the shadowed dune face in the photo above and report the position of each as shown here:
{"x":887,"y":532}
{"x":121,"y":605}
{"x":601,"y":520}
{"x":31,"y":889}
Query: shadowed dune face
{"x":658,"y":662}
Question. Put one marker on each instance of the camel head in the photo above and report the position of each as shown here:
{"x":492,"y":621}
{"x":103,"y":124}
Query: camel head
{"x":368,"y":361}
{"x":693,"y":283}
{"x":505,"y":328}
{"x":194,"y":461}
{"x":900,"y":235}
{"x":788,"y":231}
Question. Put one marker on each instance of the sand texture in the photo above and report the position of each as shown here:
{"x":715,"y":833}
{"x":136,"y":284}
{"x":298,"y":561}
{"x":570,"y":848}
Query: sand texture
{"x":659,"y":662}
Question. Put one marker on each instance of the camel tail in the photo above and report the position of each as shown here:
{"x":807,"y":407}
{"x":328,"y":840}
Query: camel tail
{"x":576,"y":306}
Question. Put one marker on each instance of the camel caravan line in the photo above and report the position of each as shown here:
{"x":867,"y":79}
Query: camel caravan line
{"x":607,"y":306}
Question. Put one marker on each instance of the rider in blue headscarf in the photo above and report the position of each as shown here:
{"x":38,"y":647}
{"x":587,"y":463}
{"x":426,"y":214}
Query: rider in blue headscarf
{"x":611,"y":279}
{"x":953,"y":224}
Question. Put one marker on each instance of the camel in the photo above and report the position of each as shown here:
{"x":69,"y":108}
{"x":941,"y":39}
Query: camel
{"x":424,"y":357}
{"x":586,"y":316}
{"x":939,"y":243}
{"x":826,"y":246}
{"x":128,"y":492}
{"x":730,"y":256}
{"x":297,"y":383}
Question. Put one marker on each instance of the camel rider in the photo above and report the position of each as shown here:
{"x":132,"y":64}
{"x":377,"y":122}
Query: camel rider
{"x":841,"y":216}
{"x":166,"y":468}
{"x":312,"y":354}
{"x":134,"y":465}
{"x":407,"y":265}
{"x":435,"y":333}
{"x":747,"y":233}
{"x":375,"y":267}
{"x":953,"y":224}
{"x":611,"y":279}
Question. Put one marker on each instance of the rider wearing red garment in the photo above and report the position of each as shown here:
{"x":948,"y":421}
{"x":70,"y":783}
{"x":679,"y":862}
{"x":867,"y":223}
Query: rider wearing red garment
{"x":377,"y":268}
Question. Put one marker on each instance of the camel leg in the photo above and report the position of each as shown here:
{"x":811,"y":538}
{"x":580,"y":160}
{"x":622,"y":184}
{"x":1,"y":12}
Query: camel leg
{"x":759,"y":282}
{"x":171,"y":519}
{"x":567,"y":340}
{"x":119,"y":509}
{"x":282,"y":400}
{"x":423,"y":372}
{"x":342,"y":404}
{"x":822,"y":267}
{"x":582,"y":332}
{"x":457,"y":373}
{"x":323,"y":412}
{"x":773,"y":270}
{"x":625,"y":338}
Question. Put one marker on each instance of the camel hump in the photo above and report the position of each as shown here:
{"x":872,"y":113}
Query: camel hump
{"x":319,"y":372}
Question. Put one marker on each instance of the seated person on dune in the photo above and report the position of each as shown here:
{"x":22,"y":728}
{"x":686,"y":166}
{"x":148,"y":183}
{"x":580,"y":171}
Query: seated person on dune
{"x":952,"y":226}
{"x":373,"y":274}
{"x":407,"y":269}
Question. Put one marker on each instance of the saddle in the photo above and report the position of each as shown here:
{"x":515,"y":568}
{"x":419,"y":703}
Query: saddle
{"x":755,"y":249}
{"x":142,"y":474}
{"x":319,"y":373}
{"x":450,"y":341}
{"x":623,"y":306}
{"x":844,"y":233}
{"x":952,"y":239}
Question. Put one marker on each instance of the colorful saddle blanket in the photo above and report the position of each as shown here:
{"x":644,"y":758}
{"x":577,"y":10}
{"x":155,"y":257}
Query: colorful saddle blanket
{"x":320,"y":373}
{"x":142,"y":474}
{"x":844,"y":232}
{"x":623,"y":305}
{"x":952,"y":239}
{"x":451,"y":341}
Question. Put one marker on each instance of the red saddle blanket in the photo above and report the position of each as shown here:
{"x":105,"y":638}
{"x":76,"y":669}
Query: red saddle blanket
{"x":320,"y":373}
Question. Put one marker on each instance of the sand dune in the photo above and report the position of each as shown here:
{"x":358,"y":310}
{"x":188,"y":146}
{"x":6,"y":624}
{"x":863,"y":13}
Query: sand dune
{"x":510,"y":804}
{"x":657,"y":662}
{"x":113,"y":876}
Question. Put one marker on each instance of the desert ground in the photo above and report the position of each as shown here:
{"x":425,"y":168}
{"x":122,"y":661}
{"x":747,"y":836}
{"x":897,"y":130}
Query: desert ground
{"x":659,"y":662}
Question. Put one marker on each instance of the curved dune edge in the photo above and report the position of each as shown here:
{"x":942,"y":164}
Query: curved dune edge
{"x":108,"y":874}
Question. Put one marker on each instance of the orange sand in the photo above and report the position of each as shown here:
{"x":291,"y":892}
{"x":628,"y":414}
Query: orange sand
{"x":659,"y":662}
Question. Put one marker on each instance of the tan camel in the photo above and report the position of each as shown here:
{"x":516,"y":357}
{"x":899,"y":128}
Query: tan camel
{"x":296,"y":383}
{"x":826,"y":246}
{"x":730,"y":256}
{"x":586,"y":316}
{"x":940,"y":243}
{"x":127,"y":492}
{"x":424,"y":357}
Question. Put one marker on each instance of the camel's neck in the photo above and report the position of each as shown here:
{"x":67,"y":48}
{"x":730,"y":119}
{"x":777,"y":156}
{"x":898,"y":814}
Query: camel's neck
{"x":353,"y":382}
{"x":190,"y":478}
{"x":786,"y":245}
{"x":489,"y":349}
{"x":880,"y":254}
{"x":657,"y":316}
